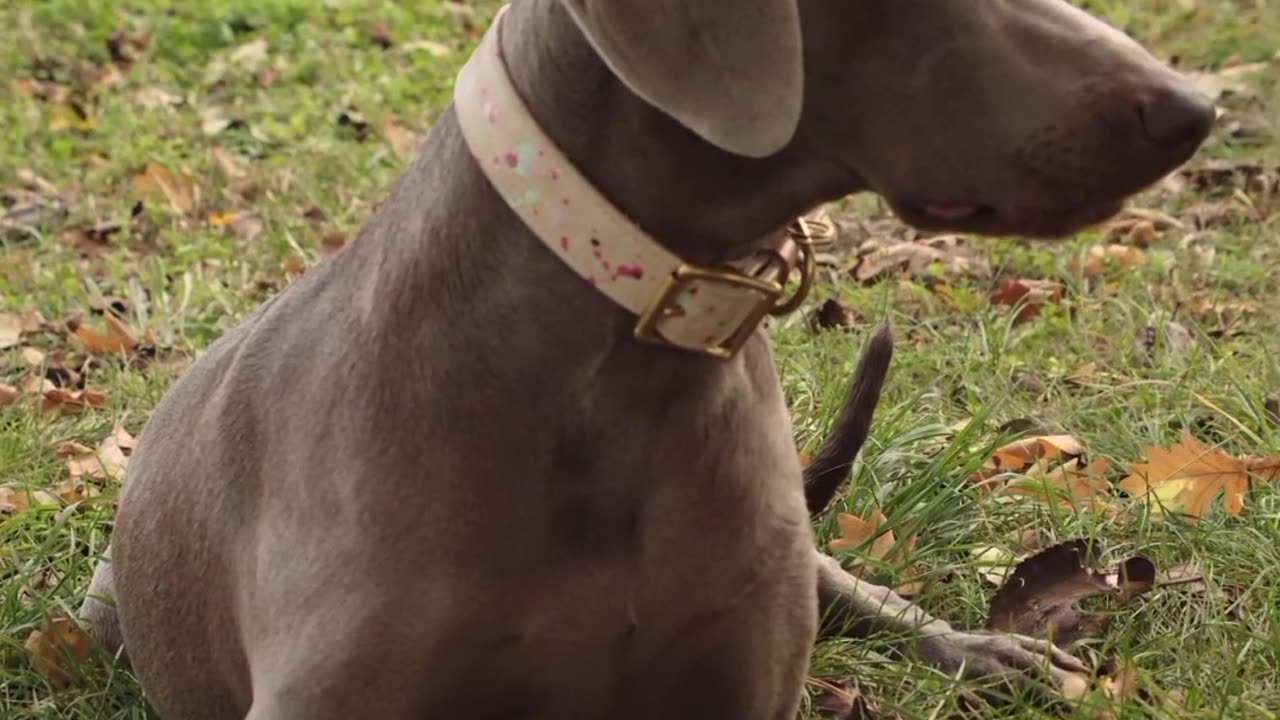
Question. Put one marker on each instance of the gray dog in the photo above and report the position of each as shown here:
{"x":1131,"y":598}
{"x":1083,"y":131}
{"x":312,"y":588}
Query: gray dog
{"x":441,"y":476}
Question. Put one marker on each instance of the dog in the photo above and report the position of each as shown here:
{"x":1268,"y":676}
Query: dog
{"x":520,"y":449}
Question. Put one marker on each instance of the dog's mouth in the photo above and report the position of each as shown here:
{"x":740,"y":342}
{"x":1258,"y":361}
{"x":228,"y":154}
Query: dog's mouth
{"x":987,"y":219}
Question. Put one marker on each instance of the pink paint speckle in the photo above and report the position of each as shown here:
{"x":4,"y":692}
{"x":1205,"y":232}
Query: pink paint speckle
{"x":631,"y":270}
{"x":592,"y":279}
{"x":597,"y":254}
{"x":607,"y":265}
{"x":554,"y":174}
{"x":540,"y":153}
{"x":512,"y":159}
{"x":564,"y":243}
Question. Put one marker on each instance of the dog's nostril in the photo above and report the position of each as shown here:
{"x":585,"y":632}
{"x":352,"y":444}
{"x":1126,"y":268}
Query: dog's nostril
{"x":1176,"y":116}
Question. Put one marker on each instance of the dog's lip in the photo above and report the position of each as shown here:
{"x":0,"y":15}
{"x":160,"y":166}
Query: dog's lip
{"x":987,"y":219}
{"x":951,"y":211}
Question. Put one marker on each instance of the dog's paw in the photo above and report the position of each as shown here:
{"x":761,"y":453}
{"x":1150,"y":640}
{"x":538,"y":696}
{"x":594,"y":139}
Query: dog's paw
{"x":1018,"y":662}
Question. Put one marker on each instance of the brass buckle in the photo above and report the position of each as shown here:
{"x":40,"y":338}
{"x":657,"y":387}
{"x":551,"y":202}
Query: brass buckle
{"x":663,"y":306}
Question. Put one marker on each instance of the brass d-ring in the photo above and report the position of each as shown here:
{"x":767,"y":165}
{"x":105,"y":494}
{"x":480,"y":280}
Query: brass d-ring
{"x":800,"y":233}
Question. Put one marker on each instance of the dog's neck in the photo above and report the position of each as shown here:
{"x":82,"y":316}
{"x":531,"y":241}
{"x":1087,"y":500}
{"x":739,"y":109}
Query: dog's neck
{"x":702,"y":203}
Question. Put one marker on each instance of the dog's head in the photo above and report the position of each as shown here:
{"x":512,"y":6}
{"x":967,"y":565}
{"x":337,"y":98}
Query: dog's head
{"x":989,"y":116}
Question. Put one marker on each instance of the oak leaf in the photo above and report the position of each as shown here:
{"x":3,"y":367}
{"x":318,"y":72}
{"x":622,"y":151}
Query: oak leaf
{"x":1189,"y":476}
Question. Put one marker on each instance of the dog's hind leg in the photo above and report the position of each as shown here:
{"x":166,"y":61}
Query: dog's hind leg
{"x":851,"y":607}
{"x":98,"y":609}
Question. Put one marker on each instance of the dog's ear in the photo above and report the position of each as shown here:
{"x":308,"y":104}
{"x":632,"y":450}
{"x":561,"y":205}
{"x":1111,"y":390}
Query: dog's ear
{"x":730,"y":72}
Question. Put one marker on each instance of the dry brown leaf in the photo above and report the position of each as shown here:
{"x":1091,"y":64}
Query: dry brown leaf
{"x":1039,"y":597}
{"x":107,"y":462}
{"x":841,"y":699}
{"x":57,"y":398}
{"x":941,"y":255}
{"x":55,"y":648}
{"x":1101,"y":257}
{"x":1188,"y":476}
{"x":855,"y":531}
{"x":402,"y":140}
{"x":180,"y":191}
{"x":1020,"y":455}
{"x":118,"y":338}
{"x":14,"y":500}
{"x":1032,"y":294}
{"x":227,"y":164}
{"x":995,"y":564}
{"x":1073,"y":484}
{"x":10,"y":329}
{"x":8,"y":394}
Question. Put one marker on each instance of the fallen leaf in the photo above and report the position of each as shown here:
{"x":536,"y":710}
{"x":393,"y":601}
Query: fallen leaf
{"x":180,"y":191}
{"x":432,"y":48}
{"x":55,"y":648}
{"x":1039,"y":598}
{"x":63,"y":399}
{"x":831,"y":315}
{"x":227,"y":164}
{"x":1073,"y":484}
{"x":10,"y":329}
{"x":1032,"y":295}
{"x":1020,"y":455}
{"x":250,"y":54}
{"x":855,"y":531}
{"x":16,"y":500}
{"x":994,"y":563}
{"x":402,"y":140}
{"x":1189,"y":476}
{"x":381,"y":35}
{"x":944,"y":255}
{"x":8,"y":394}
{"x":118,"y":338}
{"x":842,"y":699}
{"x":107,"y":462}
{"x":1102,"y":257}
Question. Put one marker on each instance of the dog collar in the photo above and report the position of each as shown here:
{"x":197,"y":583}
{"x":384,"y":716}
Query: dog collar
{"x":703,"y":309}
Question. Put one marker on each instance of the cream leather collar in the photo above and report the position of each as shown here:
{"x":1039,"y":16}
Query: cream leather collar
{"x":707,"y":310}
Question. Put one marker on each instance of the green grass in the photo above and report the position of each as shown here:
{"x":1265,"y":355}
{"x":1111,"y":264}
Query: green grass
{"x":309,"y":172}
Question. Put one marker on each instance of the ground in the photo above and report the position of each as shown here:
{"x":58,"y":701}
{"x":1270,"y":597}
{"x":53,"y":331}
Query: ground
{"x":166,"y":166}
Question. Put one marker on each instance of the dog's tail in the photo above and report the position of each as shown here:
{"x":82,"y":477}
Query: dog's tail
{"x":831,"y":463}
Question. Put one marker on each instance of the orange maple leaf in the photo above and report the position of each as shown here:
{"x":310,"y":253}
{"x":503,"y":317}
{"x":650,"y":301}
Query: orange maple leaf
{"x":1189,"y":476}
{"x":854,"y":531}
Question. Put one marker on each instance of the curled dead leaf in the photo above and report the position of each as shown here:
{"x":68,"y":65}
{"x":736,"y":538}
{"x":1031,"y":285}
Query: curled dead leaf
{"x":56,"y":648}
{"x":8,"y":394}
{"x":1039,"y":598}
{"x":1020,"y":455}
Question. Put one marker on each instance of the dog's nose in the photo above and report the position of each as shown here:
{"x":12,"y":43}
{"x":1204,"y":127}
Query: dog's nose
{"x":1176,"y":116}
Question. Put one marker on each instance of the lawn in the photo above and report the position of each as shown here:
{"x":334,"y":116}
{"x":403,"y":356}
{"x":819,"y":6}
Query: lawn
{"x":166,"y":166}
